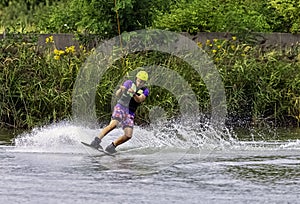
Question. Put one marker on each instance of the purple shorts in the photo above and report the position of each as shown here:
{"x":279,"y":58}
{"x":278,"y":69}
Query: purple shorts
{"x":122,"y":114}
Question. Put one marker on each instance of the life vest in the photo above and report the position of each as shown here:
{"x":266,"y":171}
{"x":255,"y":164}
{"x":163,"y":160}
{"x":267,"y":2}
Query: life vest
{"x":127,"y":99}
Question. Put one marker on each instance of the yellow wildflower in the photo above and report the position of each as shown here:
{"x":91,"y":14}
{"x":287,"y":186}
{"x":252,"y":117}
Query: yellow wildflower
{"x":219,"y":46}
{"x":215,"y":40}
{"x":70,"y":49}
{"x":207,"y":42}
{"x":247,"y":48}
{"x":56,"y":57}
{"x":82,"y":48}
{"x":49,"y":39}
{"x":199,"y":44}
{"x":233,"y":38}
{"x":58,"y":52}
{"x":214,"y":51}
{"x":232,"y":47}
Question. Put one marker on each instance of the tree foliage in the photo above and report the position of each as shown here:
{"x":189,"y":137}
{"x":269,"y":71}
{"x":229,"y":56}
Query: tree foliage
{"x":231,"y":16}
{"x":101,"y":17}
{"x":109,"y":17}
{"x":287,"y":14}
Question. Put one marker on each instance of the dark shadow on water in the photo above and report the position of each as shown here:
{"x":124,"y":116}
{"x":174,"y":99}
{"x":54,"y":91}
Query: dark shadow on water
{"x":7,"y":136}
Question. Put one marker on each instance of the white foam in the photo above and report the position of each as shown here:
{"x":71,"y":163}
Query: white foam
{"x":66,"y":137}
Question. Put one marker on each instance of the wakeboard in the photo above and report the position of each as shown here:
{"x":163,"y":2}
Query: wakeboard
{"x":100,"y":150}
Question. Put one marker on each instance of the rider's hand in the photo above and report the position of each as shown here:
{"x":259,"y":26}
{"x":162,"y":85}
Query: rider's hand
{"x":131,"y":90}
{"x":123,"y":88}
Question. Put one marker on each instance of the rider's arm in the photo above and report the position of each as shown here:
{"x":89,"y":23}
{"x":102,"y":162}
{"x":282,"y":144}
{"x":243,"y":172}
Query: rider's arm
{"x":139,"y":98}
{"x":142,"y":97}
{"x":123,"y":88}
{"x":120,"y":91}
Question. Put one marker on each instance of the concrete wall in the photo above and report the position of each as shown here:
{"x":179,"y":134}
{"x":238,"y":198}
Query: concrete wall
{"x":273,"y":39}
{"x":263,"y":39}
{"x":61,"y":40}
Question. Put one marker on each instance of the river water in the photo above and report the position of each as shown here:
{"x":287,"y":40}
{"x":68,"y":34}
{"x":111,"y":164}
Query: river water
{"x":174,"y":165}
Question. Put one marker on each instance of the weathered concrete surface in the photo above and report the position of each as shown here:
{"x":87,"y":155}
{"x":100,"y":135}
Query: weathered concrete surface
{"x":280,"y":40}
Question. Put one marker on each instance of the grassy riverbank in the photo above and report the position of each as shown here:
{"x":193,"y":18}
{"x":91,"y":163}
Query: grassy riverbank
{"x":262,"y":85}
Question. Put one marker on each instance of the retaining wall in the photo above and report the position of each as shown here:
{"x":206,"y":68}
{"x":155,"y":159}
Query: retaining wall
{"x":280,"y":40}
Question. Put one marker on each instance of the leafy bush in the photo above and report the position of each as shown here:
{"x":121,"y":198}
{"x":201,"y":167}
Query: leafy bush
{"x":287,"y":12}
{"x":108,"y":18}
{"x":234,"y":16}
{"x":100,"y":17}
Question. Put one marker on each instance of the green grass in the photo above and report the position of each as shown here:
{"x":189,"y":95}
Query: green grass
{"x":262,"y":86}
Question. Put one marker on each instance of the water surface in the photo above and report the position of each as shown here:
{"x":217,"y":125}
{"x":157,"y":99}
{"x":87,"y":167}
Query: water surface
{"x":49,"y":165}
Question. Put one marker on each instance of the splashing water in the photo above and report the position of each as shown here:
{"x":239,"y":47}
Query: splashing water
{"x":61,"y":137}
{"x":65,"y":137}
{"x":153,"y":148}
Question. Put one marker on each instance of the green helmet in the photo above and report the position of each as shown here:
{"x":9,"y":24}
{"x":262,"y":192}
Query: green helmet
{"x":142,"y":75}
